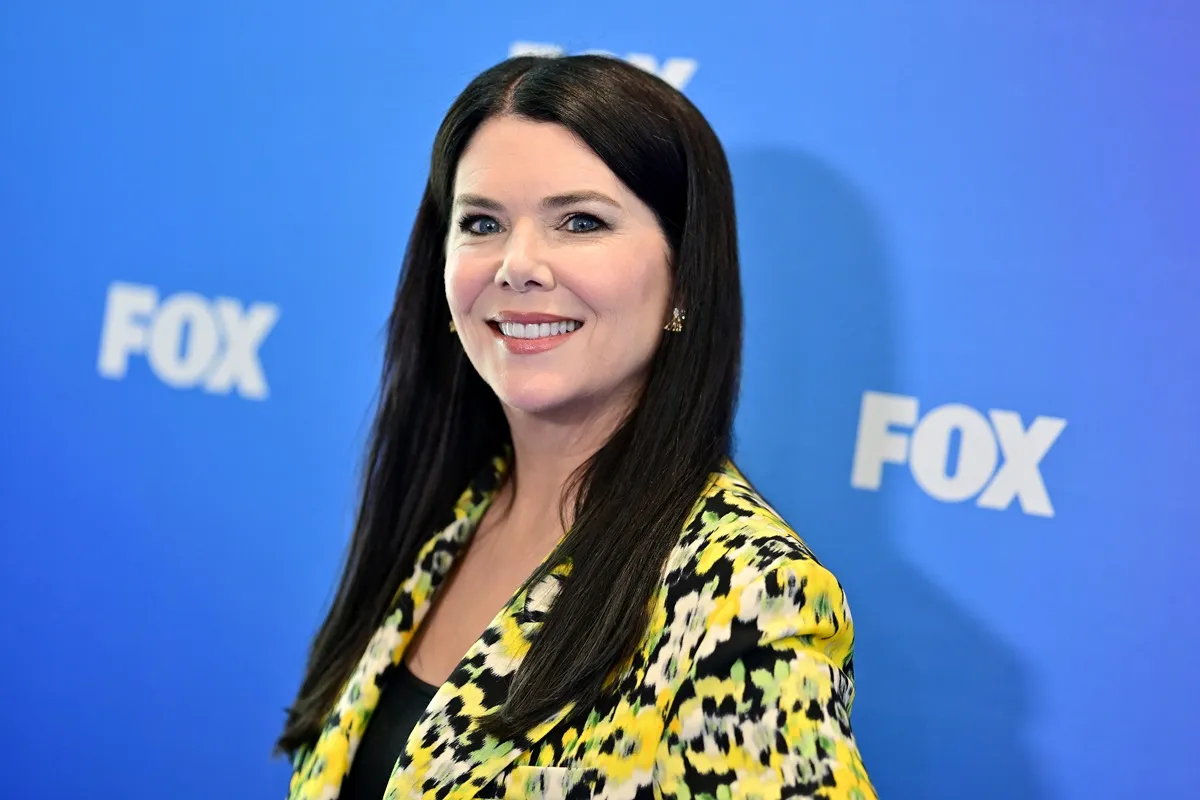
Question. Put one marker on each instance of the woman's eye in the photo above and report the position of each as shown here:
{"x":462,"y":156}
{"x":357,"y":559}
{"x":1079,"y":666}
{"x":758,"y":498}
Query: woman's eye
{"x":583,"y":223}
{"x":479,"y":225}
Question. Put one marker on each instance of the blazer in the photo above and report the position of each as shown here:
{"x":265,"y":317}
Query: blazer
{"x":740,"y":688}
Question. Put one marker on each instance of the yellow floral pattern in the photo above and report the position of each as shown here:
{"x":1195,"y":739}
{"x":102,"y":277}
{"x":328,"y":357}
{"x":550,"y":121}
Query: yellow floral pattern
{"x":741,"y":687}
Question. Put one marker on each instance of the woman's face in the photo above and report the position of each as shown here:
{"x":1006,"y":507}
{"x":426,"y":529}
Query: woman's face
{"x":556,"y":274}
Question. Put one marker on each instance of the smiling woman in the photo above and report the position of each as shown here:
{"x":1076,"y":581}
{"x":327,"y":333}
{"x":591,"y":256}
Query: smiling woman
{"x":547,"y":234}
{"x":559,"y":585}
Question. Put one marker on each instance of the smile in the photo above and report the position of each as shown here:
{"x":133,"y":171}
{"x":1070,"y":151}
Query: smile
{"x":517,"y":330}
{"x":525,"y":334}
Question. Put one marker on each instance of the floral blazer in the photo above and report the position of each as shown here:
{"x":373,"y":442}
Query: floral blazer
{"x":741,"y":687}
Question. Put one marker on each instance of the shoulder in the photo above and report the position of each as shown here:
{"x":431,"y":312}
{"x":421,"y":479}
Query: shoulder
{"x":741,"y":566}
{"x":733,"y":530}
{"x":759,"y":635}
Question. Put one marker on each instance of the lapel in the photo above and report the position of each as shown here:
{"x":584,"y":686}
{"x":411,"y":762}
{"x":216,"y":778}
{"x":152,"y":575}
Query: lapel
{"x":447,"y":756}
{"x":321,"y":770}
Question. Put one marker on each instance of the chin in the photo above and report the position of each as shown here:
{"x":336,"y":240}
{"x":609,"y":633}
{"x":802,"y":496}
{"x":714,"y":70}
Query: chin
{"x":541,"y":393}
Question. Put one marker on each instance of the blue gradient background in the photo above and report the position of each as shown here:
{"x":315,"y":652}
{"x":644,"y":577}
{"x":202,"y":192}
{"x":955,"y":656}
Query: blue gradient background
{"x":991,"y":203}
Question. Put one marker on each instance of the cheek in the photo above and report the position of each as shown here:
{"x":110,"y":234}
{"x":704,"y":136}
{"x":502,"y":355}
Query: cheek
{"x":635,"y":297}
{"x":630,"y":278}
{"x":465,"y":281}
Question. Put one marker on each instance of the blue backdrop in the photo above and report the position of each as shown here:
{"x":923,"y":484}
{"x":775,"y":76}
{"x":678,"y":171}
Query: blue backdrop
{"x":973,"y":340}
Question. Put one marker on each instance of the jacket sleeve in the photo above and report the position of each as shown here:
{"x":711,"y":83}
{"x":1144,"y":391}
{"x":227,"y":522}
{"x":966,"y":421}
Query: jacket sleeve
{"x":765,"y":710}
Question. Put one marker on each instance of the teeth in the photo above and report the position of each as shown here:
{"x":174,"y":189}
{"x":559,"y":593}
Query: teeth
{"x":538,"y":331}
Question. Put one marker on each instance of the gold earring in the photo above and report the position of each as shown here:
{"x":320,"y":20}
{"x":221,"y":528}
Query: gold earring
{"x":678,"y":315}
{"x":452,"y":328}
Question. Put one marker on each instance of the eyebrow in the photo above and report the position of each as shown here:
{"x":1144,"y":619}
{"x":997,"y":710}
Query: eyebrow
{"x":553,"y":201}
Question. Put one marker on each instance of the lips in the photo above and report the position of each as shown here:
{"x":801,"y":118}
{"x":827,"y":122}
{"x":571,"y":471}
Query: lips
{"x":529,"y":333}
{"x":533,"y":325}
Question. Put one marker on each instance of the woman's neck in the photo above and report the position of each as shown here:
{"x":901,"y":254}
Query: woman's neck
{"x":546,"y":454}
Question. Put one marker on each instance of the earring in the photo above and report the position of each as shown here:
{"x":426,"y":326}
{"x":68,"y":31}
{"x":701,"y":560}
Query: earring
{"x":678,"y":315}
{"x":452,"y":328}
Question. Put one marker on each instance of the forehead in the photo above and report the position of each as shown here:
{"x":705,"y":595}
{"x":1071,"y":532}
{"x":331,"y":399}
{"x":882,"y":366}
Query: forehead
{"x":513,"y":153}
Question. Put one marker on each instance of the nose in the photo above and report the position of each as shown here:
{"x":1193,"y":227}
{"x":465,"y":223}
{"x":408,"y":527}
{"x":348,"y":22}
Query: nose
{"x":524,"y":268}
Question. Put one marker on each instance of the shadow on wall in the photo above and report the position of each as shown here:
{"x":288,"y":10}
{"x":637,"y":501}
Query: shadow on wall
{"x":942,"y":706}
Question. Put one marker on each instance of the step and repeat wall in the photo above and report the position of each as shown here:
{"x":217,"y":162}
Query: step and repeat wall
{"x":970,"y":259}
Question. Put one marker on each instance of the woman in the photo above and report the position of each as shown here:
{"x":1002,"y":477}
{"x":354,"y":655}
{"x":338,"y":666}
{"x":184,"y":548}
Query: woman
{"x":609,"y":609}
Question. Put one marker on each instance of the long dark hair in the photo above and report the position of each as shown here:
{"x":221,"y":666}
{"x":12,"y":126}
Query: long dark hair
{"x":438,"y":424}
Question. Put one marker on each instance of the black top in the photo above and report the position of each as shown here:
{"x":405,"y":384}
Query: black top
{"x":401,"y":702}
